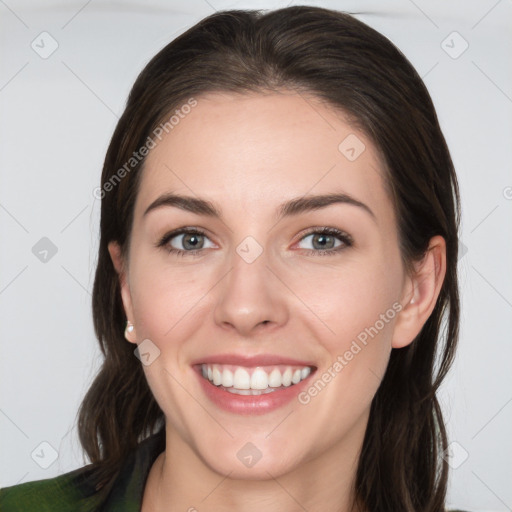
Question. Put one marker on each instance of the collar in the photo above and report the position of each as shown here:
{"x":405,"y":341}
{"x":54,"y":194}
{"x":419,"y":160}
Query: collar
{"x":128,"y":488}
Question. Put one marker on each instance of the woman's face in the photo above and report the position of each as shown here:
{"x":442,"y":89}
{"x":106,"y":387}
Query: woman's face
{"x":265,"y":287}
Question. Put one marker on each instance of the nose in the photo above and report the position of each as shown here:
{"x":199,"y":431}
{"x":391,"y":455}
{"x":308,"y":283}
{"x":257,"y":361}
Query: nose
{"x":250,"y":298}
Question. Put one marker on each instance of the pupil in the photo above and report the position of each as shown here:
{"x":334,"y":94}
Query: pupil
{"x":324,"y":240}
{"x":189,"y":243}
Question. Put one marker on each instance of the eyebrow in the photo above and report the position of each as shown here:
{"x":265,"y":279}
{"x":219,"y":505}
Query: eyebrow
{"x":290,"y":208}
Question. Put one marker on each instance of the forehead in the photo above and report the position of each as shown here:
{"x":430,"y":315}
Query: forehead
{"x":254,"y":151}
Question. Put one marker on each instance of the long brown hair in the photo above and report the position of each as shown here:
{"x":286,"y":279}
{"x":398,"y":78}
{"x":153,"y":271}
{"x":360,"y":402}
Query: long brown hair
{"x":358,"y":71}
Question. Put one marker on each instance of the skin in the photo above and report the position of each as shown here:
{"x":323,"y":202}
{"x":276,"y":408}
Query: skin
{"x":247,"y":154}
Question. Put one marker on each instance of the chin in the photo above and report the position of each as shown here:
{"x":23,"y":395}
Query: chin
{"x":248,"y":458}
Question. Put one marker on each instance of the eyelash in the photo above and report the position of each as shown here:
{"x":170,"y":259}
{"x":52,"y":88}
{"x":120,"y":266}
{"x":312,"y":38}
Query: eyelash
{"x":344,"y":237}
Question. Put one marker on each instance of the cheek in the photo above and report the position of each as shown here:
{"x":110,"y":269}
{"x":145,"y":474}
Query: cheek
{"x":165,"y":300}
{"x":359,"y":309}
{"x":351,"y":301}
{"x":167,"y":310}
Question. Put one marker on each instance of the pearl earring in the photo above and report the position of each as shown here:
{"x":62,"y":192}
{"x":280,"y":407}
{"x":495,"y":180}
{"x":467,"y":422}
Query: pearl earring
{"x":129,"y":329}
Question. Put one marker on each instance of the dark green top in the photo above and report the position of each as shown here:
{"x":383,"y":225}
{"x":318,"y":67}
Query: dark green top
{"x":77,"y":491}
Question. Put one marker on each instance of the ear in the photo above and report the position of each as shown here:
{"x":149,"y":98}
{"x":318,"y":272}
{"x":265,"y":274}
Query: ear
{"x":420,"y":294}
{"x":121,"y":268}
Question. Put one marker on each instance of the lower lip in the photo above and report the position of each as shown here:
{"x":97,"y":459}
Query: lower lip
{"x":251,"y":404}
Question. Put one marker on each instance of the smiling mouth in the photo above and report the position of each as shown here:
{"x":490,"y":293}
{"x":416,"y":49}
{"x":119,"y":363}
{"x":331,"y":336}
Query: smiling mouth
{"x":259,"y":380}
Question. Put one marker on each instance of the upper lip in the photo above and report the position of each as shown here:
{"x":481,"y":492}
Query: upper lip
{"x":251,"y":361}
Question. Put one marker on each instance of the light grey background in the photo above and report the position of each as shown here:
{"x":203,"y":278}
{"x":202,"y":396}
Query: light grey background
{"x":57,"y":116}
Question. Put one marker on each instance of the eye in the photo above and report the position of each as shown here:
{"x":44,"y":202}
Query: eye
{"x":185,"y":241}
{"x":326,"y":241}
{"x":191,"y":241}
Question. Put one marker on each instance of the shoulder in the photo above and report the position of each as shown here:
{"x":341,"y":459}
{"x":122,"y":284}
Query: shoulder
{"x":71,"y":491}
{"x":80,"y":491}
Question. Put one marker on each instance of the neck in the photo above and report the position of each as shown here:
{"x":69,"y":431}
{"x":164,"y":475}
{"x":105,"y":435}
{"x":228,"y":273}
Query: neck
{"x":180,"y":481}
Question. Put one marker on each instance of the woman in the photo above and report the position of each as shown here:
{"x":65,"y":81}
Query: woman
{"x":278,"y":250}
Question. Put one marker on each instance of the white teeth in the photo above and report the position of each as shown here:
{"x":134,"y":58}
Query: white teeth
{"x":240,"y":391}
{"x":259,"y":379}
{"x":227,"y":378}
{"x":250,"y":391}
{"x":239,"y":380}
{"x":274,"y":379}
{"x":217,"y":376}
{"x":287,"y":377}
{"x":305,"y":372}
